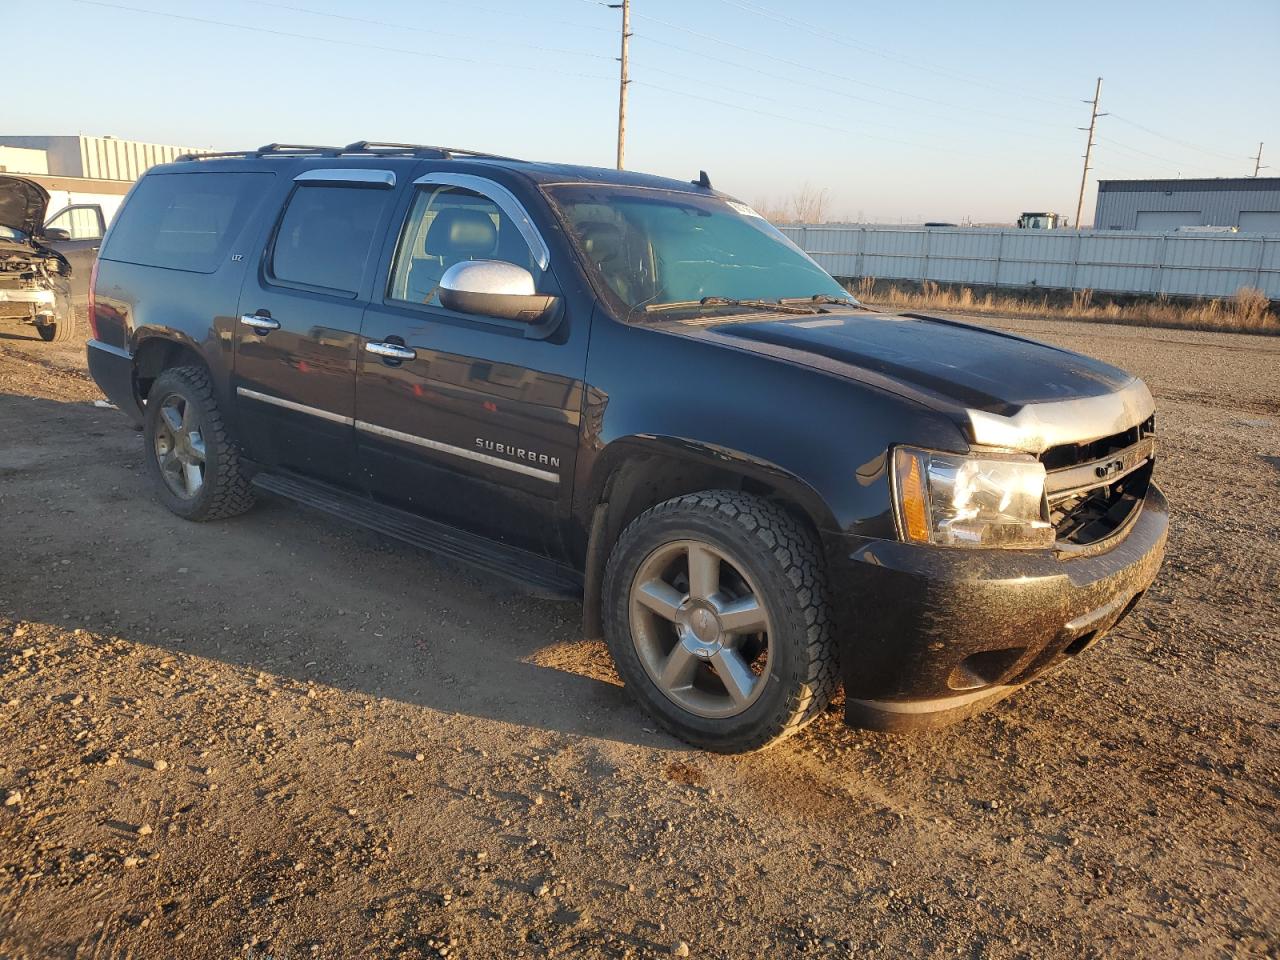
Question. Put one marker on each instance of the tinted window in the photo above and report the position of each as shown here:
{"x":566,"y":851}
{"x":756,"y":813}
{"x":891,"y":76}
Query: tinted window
{"x":326,"y":234}
{"x":184,"y":221}
{"x":655,"y":247}
{"x":448,"y":225}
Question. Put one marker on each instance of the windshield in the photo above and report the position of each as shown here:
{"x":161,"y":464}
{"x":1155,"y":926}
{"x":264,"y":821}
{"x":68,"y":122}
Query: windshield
{"x":649,"y":248}
{"x":11,"y":233}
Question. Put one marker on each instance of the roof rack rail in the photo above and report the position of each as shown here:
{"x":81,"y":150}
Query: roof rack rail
{"x":374,"y":148}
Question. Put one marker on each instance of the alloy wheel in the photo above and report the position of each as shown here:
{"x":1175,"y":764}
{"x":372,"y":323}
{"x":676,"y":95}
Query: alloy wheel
{"x":700,"y":628}
{"x":179,"y":446}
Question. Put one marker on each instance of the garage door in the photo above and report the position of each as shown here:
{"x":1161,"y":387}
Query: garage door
{"x":1168,"y":219}
{"x":1259,"y":221}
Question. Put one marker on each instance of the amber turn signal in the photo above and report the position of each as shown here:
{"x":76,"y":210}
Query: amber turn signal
{"x":912,"y":496}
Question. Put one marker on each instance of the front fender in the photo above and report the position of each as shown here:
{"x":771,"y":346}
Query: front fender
{"x":821,"y":438}
{"x":698,"y":454}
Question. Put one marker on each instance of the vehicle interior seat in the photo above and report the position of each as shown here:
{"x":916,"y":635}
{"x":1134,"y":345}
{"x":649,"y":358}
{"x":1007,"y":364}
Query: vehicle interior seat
{"x":603,"y":244}
{"x":456,"y":234}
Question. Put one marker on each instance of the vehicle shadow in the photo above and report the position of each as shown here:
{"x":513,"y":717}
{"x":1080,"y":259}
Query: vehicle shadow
{"x":16,"y":333}
{"x":282,"y":590}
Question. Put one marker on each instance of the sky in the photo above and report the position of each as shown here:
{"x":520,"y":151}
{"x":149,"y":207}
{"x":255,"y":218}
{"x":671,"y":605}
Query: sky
{"x":901,"y":112}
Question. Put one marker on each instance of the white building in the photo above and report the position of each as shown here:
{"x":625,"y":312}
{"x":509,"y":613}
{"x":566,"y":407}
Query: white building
{"x":90,"y":158}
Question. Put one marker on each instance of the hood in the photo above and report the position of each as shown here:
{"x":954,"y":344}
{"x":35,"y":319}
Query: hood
{"x":22,"y":204}
{"x":983,"y":378}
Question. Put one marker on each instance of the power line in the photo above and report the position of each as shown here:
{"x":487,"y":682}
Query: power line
{"x":826,"y":33}
{"x":431,"y":31}
{"x":811,"y":68}
{"x":500,"y":64}
{"x":1181,"y":143}
{"x":792,"y":119}
{"x":1112,"y":142}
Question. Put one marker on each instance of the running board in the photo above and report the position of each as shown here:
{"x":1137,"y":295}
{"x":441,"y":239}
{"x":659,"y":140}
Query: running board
{"x":526,"y":568}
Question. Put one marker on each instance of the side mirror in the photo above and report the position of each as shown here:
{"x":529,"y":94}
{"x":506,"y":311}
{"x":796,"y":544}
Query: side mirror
{"x":56,"y":233}
{"x":493,"y":288}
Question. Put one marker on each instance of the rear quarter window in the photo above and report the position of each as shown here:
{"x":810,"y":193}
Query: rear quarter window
{"x":184,"y":221}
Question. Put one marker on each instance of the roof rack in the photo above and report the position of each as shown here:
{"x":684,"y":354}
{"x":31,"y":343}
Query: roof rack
{"x":367,"y":148}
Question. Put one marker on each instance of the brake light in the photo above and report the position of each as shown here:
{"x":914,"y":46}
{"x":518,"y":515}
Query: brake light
{"x":93,"y":313}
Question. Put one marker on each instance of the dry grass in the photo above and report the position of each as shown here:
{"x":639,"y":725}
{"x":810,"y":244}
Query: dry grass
{"x":1249,"y":311}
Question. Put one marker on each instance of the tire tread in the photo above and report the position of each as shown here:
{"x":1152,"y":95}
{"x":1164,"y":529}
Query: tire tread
{"x":232,"y":494}
{"x":795,"y":549}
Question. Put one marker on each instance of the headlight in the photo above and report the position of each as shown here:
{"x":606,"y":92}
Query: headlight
{"x":960,"y":501}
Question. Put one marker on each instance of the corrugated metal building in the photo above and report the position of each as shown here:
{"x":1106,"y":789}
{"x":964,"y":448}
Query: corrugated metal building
{"x":1182,"y":264}
{"x":98,"y":158}
{"x":1251,"y":204}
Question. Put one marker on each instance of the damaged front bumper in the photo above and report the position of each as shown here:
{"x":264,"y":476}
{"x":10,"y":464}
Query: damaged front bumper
{"x":932,"y":635}
{"x":41,"y":302}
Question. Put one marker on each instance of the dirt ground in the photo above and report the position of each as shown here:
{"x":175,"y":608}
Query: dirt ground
{"x":282,"y":737}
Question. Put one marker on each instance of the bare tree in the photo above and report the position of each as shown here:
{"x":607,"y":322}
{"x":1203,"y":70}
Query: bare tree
{"x":808,"y":204}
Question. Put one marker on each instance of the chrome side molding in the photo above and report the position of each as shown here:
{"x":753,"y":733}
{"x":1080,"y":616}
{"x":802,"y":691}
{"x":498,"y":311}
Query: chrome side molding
{"x":296,"y":407}
{"x":526,"y":469}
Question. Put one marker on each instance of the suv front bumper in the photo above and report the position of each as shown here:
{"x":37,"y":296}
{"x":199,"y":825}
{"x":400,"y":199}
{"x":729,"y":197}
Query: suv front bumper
{"x":933,"y":634}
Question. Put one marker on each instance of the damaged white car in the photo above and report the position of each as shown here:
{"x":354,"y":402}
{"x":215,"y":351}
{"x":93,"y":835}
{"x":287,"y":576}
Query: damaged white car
{"x":35,"y":279}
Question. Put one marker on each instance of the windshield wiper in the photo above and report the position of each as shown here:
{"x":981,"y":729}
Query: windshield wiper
{"x":822,"y":298}
{"x":776,"y":306}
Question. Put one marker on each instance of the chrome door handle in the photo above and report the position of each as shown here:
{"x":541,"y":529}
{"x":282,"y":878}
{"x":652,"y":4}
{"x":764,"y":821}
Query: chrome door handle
{"x":392,"y":351}
{"x":259,"y":323}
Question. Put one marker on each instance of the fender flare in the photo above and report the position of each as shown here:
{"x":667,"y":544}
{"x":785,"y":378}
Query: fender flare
{"x":593,"y":493}
{"x":593,"y":488}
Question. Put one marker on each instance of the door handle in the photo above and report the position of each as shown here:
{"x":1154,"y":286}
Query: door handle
{"x":392,"y":351}
{"x":261,"y":324}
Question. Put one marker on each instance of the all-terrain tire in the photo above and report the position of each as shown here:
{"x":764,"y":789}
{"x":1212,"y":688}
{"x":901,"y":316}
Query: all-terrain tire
{"x":782,"y":556}
{"x":225,"y":491}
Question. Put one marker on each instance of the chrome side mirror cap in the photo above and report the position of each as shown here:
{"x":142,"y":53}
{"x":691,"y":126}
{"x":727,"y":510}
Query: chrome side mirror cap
{"x":494,"y":288}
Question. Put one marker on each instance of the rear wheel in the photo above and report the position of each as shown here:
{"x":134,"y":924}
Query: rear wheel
{"x":717,"y":617}
{"x":190,"y":454}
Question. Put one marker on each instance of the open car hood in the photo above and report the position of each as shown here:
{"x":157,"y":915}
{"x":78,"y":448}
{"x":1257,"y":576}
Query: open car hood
{"x":22,"y":204}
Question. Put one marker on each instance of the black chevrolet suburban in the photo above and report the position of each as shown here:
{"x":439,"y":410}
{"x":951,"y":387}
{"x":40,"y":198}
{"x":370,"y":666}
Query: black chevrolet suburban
{"x":634,"y":391}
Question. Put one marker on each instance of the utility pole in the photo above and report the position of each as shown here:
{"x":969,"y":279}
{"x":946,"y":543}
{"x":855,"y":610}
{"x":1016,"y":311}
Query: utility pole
{"x":1257,"y":162}
{"x":1088,"y":147}
{"x":625,"y":7}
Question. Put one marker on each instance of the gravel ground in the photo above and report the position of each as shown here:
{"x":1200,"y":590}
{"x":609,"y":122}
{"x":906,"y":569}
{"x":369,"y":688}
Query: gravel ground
{"x":281,"y":737}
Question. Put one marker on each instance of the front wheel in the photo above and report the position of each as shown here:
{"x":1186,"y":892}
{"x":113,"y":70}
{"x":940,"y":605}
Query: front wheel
{"x":718,"y":618}
{"x":190,"y":454}
{"x":60,"y":331}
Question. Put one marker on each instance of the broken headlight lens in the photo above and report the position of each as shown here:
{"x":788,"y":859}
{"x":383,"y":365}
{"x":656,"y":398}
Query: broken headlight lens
{"x":958,"y":501}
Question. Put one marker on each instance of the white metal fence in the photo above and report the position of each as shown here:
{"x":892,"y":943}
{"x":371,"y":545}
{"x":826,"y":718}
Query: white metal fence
{"x":1173,"y":263}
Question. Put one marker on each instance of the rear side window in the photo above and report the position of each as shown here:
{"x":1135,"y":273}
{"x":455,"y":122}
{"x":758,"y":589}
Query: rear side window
{"x":326,"y":234}
{"x":184,"y":221}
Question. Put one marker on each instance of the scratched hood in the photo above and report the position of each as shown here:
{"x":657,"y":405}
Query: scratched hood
{"x":957,"y":363}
